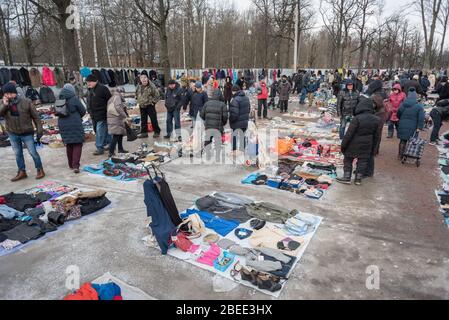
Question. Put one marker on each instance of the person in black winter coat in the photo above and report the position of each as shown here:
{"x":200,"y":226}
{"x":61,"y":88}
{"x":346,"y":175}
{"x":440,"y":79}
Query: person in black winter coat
{"x":215,"y":116}
{"x":346,"y":102}
{"x":443,"y":89}
{"x":438,"y":114}
{"x":97,"y":106}
{"x":273,"y":92}
{"x":227,"y":91}
{"x":173,"y":103}
{"x":71,"y":127}
{"x":239,"y":111}
{"x":360,"y":140}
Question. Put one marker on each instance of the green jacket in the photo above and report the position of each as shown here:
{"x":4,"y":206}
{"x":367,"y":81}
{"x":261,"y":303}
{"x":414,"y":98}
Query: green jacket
{"x":147,"y":95}
{"x":23,"y":123}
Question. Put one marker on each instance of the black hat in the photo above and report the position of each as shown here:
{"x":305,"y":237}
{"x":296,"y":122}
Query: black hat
{"x":171,"y":81}
{"x":9,"y":88}
{"x":91,"y":78}
{"x":236,"y":88}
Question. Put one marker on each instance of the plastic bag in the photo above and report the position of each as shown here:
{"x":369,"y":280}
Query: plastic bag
{"x":221,"y":284}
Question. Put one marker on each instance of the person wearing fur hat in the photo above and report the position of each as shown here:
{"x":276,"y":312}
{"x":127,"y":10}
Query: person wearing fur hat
{"x":20,"y":114}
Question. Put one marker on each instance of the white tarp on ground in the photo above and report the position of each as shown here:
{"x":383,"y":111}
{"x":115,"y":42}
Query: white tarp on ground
{"x":128,"y":292}
{"x":185,"y":256}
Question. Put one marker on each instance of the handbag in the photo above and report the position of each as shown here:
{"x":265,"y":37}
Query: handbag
{"x":181,"y":241}
{"x":131,"y":135}
{"x":60,"y":108}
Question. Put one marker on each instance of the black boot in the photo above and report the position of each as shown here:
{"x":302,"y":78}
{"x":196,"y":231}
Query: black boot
{"x":358,"y":179}
{"x":346,"y":179}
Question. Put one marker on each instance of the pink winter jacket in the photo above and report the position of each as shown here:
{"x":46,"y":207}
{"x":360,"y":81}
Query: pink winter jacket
{"x":396,"y":100}
{"x":48,"y":77}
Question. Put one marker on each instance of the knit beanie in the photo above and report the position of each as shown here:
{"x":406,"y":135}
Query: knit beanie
{"x":91,"y":78}
{"x":9,"y":88}
{"x":69,"y":87}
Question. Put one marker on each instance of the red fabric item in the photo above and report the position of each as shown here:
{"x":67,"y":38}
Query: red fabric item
{"x":275,"y":75}
{"x":216,"y":84}
{"x":264,"y":94}
{"x":86,"y":292}
{"x":2,"y":200}
{"x":396,"y":100}
{"x":48,"y":77}
{"x":117,"y":298}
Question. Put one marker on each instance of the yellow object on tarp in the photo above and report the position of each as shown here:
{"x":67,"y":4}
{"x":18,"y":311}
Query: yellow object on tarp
{"x":284,"y":146}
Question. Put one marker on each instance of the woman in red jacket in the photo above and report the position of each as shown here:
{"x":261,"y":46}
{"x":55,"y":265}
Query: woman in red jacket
{"x":262,"y":97}
{"x":396,"y":99}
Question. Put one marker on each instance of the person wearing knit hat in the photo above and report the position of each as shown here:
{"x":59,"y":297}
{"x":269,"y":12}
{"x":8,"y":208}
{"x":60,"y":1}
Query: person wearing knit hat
{"x":20,"y":114}
{"x":97,"y":106}
{"x":71,"y":126}
{"x":197,"y":100}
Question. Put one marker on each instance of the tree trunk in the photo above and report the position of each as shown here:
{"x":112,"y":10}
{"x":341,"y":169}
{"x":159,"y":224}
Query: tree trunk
{"x":6,"y":40}
{"x":68,"y":37}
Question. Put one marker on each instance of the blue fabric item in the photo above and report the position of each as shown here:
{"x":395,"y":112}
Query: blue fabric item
{"x":85,"y":72}
{"x":252,"y":177}
{"x":221,"y":226}
{"x":101,"y":169}
{"x":161,"y":224}
{"x":9,"y":213}
{"x":107,"y":291}
{"x":243,"y":233}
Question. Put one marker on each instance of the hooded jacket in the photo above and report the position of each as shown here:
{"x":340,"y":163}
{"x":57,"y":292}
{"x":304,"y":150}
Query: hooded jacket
{"x":362,"y":135}
{"x":197,"y":102}
{"x":22,"y":122}
{"x":239,"y":111}
{"x":215,"y":112}
{"x":396,"y":100}
{"x":347,"y":101}
{"x":442,"y":107}
{"x":173,"y":98}
{"x":71,"y":127}
{"x":263,"y":95}
{"x":117,"y":115}
{"x":411,"y":117}
{"x":48,"y":77}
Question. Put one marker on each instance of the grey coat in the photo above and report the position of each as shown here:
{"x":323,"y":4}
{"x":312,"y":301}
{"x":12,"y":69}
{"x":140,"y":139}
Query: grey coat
{"x":284,"y":90}
{"x":117,"y":115}
{"x":71,"y":127}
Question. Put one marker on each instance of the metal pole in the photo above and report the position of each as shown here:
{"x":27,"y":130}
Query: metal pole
{"x":204,"y":44}
{"x":94,"y":36}
{"x":184,"y":47}
{"x":295,"y":58}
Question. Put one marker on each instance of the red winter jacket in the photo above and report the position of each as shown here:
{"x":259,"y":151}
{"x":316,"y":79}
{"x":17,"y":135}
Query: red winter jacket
{"x":264,"y":94}
{"x":48,"y":77}
{"x":396,"y":100}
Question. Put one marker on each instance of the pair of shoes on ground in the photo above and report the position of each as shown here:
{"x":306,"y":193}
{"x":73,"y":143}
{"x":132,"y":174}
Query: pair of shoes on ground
{"x":23,"y":175}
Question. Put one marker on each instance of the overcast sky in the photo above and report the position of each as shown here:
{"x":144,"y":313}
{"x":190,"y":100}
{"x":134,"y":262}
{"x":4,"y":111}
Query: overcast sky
{"x":390,"y":6}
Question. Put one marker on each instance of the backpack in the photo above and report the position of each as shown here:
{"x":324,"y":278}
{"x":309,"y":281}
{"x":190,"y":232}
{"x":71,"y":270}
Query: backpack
{"x":32,"y":94}
{"x":61,"y":109}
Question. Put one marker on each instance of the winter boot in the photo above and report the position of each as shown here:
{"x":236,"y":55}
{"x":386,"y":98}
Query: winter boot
{"x":358,"y":179}
{"x":20,"y":176}
{"x":346,"y":178}
{"x":40,"y":174}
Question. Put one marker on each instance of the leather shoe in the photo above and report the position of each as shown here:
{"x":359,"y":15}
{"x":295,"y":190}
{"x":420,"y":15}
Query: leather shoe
{"x":20,"y":176}
{"x":40,"y":174}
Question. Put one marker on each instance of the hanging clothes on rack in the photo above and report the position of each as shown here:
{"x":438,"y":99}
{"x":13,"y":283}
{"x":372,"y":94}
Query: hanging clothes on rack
{"x":48,"y":77}
{"x":36,"y":78}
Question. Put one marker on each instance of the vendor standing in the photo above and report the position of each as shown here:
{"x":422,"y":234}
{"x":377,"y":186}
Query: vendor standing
{"x":147,"y":96}
{"x":20,"y":114}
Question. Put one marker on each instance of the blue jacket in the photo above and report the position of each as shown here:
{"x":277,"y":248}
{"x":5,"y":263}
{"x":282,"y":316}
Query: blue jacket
{"x":313,"y":87}
{"x":239,"y":110}
{"x":411,"y":117}
{"x":71,"y":127}
{"x":197,"y":102}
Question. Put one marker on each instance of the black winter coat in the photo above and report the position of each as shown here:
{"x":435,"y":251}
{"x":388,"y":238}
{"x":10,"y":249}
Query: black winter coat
{"x":71,"y":127}
{"x":15,"y":75}
{"x":239,"y":110}
{"x":97,"y":102}
{"x":197,"y":101}
{"x":25,"y":77}
{"x":215,"y":113}
{"x":442,"y":107}
{"x":346,"y":102}
{"x":174,"y":99}
{"x":443,"y":91}
{"x":5,"y":76}
{"x":361,"y":138}
{"x":412,"y":84}
{"x":46,"y":95}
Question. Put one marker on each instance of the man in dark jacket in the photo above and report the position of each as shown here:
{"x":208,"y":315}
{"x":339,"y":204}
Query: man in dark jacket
{"x":425,"y":84}
{"x":198,"y":99}
{"x":239,"y":111}
{"x":439,"y":113}
{"x":443,"y":89}
{"x":173,"y":103}
{"x":97,"y":106}
{"x":20,"y":114}
{"x":273,"y":92}
{"x":346,"y":102}
{"x":360,"y":140}
{"x":414,"y":83}
{"x":215,"y":116}
{"x":377,"y":94}
{"x":284,"y":90}
{"x":147,"y":96}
